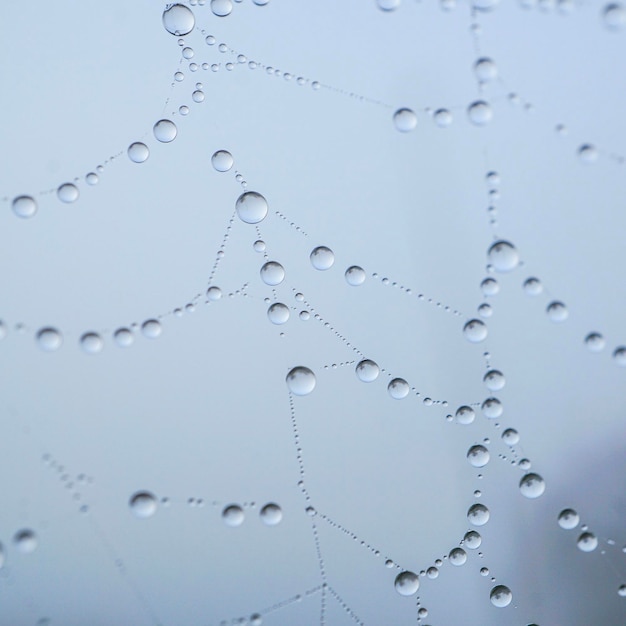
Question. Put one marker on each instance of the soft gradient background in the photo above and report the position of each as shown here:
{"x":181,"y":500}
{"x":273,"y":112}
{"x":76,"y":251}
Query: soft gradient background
{"x":203,"y":411}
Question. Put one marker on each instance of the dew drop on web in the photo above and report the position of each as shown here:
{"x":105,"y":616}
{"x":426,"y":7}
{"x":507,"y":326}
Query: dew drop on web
{"x":143,"y":504}
{"x":300,"y":381}
{"x":178,"y":19}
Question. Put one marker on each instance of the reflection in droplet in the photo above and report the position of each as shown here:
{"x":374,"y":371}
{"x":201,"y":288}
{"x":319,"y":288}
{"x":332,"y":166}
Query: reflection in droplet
{"x":272,"y":273}
{"x":300,"y":381}
{"x":480,"y":113}
{"x":233,"y":515}
{"x":251,"y":207}
{"x":492,"y":408}
{"x":165,"y":131}
{"x":398,"y":388}
{"x":475,"y":331}
{"x":68,"y":192}
{"x":278,"y":313}
{"x":568,"y":519}
{"x":478,"y":514}
{"x":24,"y":206}
{"x":322,"y":258}
{"x":49,"y":339}
{"x":532,"y":286}
{"x":367,"y":370}
{"x":478,"y":456}
{"x":271,"y":514}
{"x":595,"y":342}
{"x":405,"y":120}
{"x":501,"y":596}
{"x":151,"y":329}
{"x":124,"y":337}
{"x":91,"y":343}
{"x":532,"y":485}
{"x":557,"y":311}
{"x":503,"y":256}
{"x":138,"y":152}
{"x":143,"y":504}
{"x":178,"y":20}
{"x":25,"y":540}
{"x":457,"y":557}
{"x":355,"y":275}
{"x":494,"y":380}
{"x":472,"y":540}
{"x":587,"y":542}
{"x":510,"y":436}
{"x":407,"y":583}
{"x":221,"y":8}
{"x":222,"y":160}
{"x":465,"y":415}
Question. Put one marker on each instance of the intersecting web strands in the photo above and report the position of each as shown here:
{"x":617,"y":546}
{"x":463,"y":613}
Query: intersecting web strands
{"x":312,"y":313}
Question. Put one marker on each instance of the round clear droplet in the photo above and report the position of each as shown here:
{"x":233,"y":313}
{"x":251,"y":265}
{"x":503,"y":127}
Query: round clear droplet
{"x":480,"y":113}
{"x":465,"y":415}
{"x":405,"y":120}
{"x":472,"y":540}
{"x":478,"y":456}
{"x":143,"y":504}
{"x":322,"y":258}
{"x":221,"y":8}
{"x":24,"y":206}
{"x":165,"y":131}
{"x":489,"y":287}
{"x":300,"y":381}
{"x":557,"y":311}
{"x":406,"y":583}
{"x":510,"y":436}
{"x":233,"y":515}
{"x":501,"y":596}
{"x":492,"y":408}
{"x":214,"y":293}
{"x":222,"y":160}
{"x":367,"y":371}
{"x":619,"y":356}
{"x":138,"y":152}
{"x":178,"y":20}
{"x":494,"y":380}
{"x":478,"y":515}
{"x":503,"y":255}
{"x":251,"y":207}
{"x":568,"y":519}
{"x":355,"y":276}
{"x":25,"y":541}
{"x":272,"y":273}
{"x":278,"y":313}
{"x":457,"y":557}
{"x":91,"y":343}
{"x":398,"y":388}
{"x":532,"y":485}
{"x":49,"y":339}
{"x":587,"y":542}
{"x":595,"y":342}
{"x":123,"y":337}
{"x":475,"y":331}
{"x":271,"y":514}
{"x":68,"y":192}
{"x":588,"y":153}
{"x":614,"y":16}
{"x":532,"y":286}
{"x":151,"y":329}
{"x":485,"y":70}
{"x":443,"y":118}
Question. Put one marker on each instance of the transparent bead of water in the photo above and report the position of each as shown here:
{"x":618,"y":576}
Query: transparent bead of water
{"x":489,"y":287}
{"x":405,"y":120}
{"x":485,"y":5}
{"x":222,"y":160}
{"x":494,"y":380}
{"x":322,"y":258}
{"x":138,"y":152}
{"x":475,"y":331}
{"x":472,"y":540}
{"x":278,"y":313}
{"x":355,"y":275}
{"x":568,"y":519}
{"x":595,"y":342}
{"x":165,"y":131}
{"x":68,"y":192}
{"x":619,"y":356}
{"x":221,"y":8}
{"x":300,"y":381}
{"x":510,"y":436}
{"x":478,"y":514}
{"x":557,"y":311}
{"x":465,"y":415}
{"x":621,"y":591}
{"x":143,"y":504}
{"x":485,"y":310}
{"x":432,"y":572}
{"x":25,"y":541}
{"x":272,"y":273}
{"x":178,"y":20}
{"x":443,"y":118}
{"x":479,"y":113}
{"x":503,"y":256}
{"x":367,"y":370}
{"x":388,"y":5}
{"x":188,"y":52}
{"x":501,"y":596}
{"x":197,"y":96}
{"x":91,"y":343}
{"x":49,"y":339}
{"x":259,"y":245}
{"x":214,"y":293}
{"x":532,"y":286}
{"x":457,"y":557}
{"x":478,"y":456}
{"x":24,"y":206}
{"x":92,"y":178}
{"x":485,"y":70}
{"x":588,"y":153}
{"x":492,"y":408}
{"x":587,"y":542}
{"x":447,"y":5}
{"x":532,"y":485}
{"x":123,"y":337}
{"x":151,"y":329}
{"x":406,"y":583}
{"x":398,"y":388}
{"x":271,"y":514}
{"x":233,"y":515}
{"x":251,"y":207}
{"x":614,"y":16}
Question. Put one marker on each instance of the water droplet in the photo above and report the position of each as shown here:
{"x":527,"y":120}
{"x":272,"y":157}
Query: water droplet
{"x":557,"y":311}
{"x":214,"y":293}
{"x":24,"y":206}
{"x":143,"y":504}
{"x":405,"y":120}
{"x":587,"y":542}
{"x":92,"y":178}
{"x":301,"y":381}
{"x":367,"y":370}
{"x":151,"y":329}
{"x":588,"y":153}
{"x":532,"y":286}
{"x":475,"y":331}
{"x":485,"y":70}
{"x":68,"y":192}
{"x":49,"y":339}
{"x":595,"y":342}
{"x":492,"y":408}
{"x":165,"y":131}
{"x":465,"y":415}
{"x":188,"y":52}
{"x":221,"y":8}
{"x":619,"y":356}
{"x":355,"y":275}
{"x":484,"y":571}
{"x":259,"y":246}
{"x":25,"y":541}
{"x":443,"y":118}
{"x":124,"y":337}
{"x":621,"y":591}
{"x":233,"y":515}
{"x":494,"y":380}
{"x":503,"y":256}
{"x":304,"y":315}
{"x":178,"y":20}
{"x":510,"y":436}
{"x":478,"y":456}
{"x":222,"y":160}
{"x":479,"y":113}
{"x":532,"y":485}
{"x":398,"y":388}
{"x":271,"y":514}
{"x":388,"y":5}
{"x":91,"y":343}
{"x":614,"y":16}
{"x":138,"y":152}
{"x":197,"y":96}
{"x":407,"y":583}
{"x":432,"y":572}
{"x":568,"y":519}
{"x":489,"y":287}
{"x":478,"y":514}
{"x":457,"y":556}
{"x":472,"y":540}
{"x":251,"y":207}
{"x":272,"y":273}
{"x":322,"y":258}
{"x":278,"y":313}
{"x":501,"y":596}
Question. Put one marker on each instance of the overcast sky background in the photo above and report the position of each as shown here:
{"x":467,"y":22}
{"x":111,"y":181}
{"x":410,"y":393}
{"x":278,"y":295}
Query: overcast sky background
{"x":203,"y":411}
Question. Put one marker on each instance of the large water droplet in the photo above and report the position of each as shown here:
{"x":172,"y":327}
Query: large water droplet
{"x":587,"y":542}
{"x":619,"y":356}
{"x":485,"y":70}
{"x":478,"y":514}
{"x":68,"y":192}
{"x":355,"y":275}
{"x":475,"y":331}
{"x":510,"y":436}
{"x":595,"y":342}
{"x":479,"y":113}
{"x":165,"y":131}
{"x":233,"y":515}
{"x":138,"y":152}
{"x":489,"y":287}
{"x":621,"y":591}
{"x":251,"y":207}
{"x":25,"y":540}
{"x":465,"y":415}
{"x":405,"y":120}
{"x":472,"y":540}
{"x":398,"y":388}
{"x":443,"y":118}
{"x":457,"y":556}
{"x":503,"y":255}
{"x":272,"y":273}
{"x":478,"y":456}
{"x":151,"y":329}
{"x":278,"y":313}
{"x":568,"y":519}
{"x":178,"y":19}
{"x":221,"y":8}
{"x":300,"y":381}
{"x":614,"y":16}
{"x":532,"y":485}
{"x":407,"y":583}
{"x":123,"y":337}
{"x":492,"y":408}
{"x":24,"y":206}
{"x":494,"y":380}
{"x":367,"y":371}
{"x":271,"y":514}
{"x":143,"y":504}
{"x":532,"y":286}
{"x":91,"y":343}
{"x":322,"y":258}
{"x":557,"y":311}
{"x":222,"y":160}
{"x":49,"y":339}
{"x":501,"y":596}
{"x":214,"y":293}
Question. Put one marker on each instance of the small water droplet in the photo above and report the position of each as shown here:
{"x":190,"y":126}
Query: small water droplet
{"x":532,"y":286}
{"x":619,"y":356}
{"x":501,"y":596}
{"x":178,"y":20}
{"x":214,"y":293}
{"x":595,"y":342}
{"x":123,"y":337}
{"x":222,"y":160}
{"x":485,"y":69}
{"x":465,"y":415}
{"x":24,"y":206}
{"x":432,"y":572}
{"x":479,"y":113}
{"x":25,"y":540}
{"x":494,"y":380}
{"x":197,"y":96}
{"x":587,"y":542}
{"x":259,"y":246}
{"x":165,"y":131}
{"x":478,"y":456}
{"x":367,"y":370}
{"x":233,"y":515}
{"x":251,"y":207}
{"x":489,"y":287}
{"x":92,"y":178}
{"x":472,"y":540}
{"x":405,"y":120}
{"x":143,"y":504}
{"x":557,"y":311}
{"x":68,"y":192}
{"x":398,"y":388}
{"x":588,"y":153}
{"x":271,"y":514}
{"x":49,"y":339}
{"x":510,"y":436}
{"x":503,"y":256}
{"x":478,"y":514}
{"x":278,"y":313}
{"x":272,"y":273}
{"x":91,"y":343}
{"x":492,"y":408}
{"x":355,"y":275}
{"x":614,"y":16}
{"x":406,"y":583}
{"x":322,"y":258}
{"x":475,"y":331}
{"x":621,"y":591}
{"x":457,"y":557}
{"x":532,"y":485}
{"x":151,"y":329}
{"x":221,"y":8}
{"x":301,"y":381}
{"x":568,"y":519}
{"x":443,"y":118}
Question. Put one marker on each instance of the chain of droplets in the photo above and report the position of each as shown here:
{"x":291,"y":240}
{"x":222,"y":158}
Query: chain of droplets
{"x":346,"y":608}
{"x":292,"y":224}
